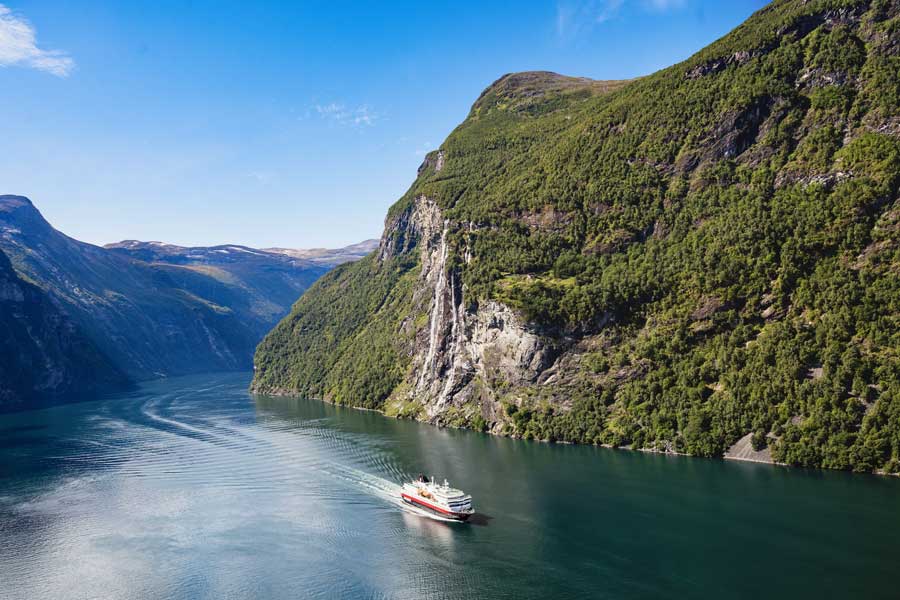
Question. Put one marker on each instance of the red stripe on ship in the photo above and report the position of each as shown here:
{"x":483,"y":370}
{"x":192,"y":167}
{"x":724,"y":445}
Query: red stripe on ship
{"x":431,"y":506}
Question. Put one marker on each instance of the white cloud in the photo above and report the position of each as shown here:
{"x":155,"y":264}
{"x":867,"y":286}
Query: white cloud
{"x":608,"y":10}
{"x":664,"y":5}
{"x":18,"y":46}
{"x":574,"y":17}
{"x":343,"y":115}
{"x":577,"y":16}
{"x":262,"y":177}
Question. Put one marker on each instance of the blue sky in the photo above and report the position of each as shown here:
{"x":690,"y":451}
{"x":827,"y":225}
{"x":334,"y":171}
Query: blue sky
{"x":295,"y":124}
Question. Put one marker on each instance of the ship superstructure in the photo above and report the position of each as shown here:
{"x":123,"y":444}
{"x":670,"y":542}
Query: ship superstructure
{"x":440,"y":499}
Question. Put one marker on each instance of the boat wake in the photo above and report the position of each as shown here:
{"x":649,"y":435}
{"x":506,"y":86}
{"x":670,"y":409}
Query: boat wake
{"x":296,"y":446}
{"x":383,"y":489}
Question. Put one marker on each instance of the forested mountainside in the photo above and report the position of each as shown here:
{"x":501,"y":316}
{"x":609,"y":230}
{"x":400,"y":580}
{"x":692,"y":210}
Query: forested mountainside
{"x":704,"y":260}
{"x":155,"y":309}
{"x":43,"y":355}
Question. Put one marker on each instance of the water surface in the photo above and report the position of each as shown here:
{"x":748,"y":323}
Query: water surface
{"x":191,"y":488}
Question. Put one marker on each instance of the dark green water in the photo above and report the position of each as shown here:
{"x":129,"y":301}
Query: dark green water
{"x":192,"y":489}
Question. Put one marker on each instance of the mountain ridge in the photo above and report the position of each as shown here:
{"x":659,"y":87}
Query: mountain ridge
{"x":151,"y":310}
{"x":151,"y":251}
{"x":328,"y":256}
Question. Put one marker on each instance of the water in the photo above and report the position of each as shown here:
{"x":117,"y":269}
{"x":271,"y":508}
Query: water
{"x":190,"y":488}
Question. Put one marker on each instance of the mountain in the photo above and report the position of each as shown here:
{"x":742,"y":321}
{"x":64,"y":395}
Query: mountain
{"x":242,"y":256}
{"x":154,"y":309}
{"x":329,"y":257}
{"x":260,"y":286}
{"x":704,"y":260}
{"x":43,"y":355}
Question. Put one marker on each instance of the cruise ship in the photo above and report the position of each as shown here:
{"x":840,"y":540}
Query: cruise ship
{"x":442,"y":500}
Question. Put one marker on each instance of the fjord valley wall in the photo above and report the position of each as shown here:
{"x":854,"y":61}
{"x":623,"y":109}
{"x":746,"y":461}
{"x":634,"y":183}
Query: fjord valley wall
{"x":44,"y":356}
{"x":702,"y":260}
{"x":78,"y":317}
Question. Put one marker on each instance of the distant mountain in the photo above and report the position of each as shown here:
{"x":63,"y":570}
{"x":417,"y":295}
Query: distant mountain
{"x":242,"y":255}
{"x":331,"y":258}
{"x":44,"y":356}
{"x":153,"y":309}
{"x":705,"y":260}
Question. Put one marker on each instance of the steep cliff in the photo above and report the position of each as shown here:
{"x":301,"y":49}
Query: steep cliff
{"x":673,"y":263}
{"x":43,"y":355}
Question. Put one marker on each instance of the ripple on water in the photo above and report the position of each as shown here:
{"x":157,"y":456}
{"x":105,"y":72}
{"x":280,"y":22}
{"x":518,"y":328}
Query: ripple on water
{"x":192,"y":489}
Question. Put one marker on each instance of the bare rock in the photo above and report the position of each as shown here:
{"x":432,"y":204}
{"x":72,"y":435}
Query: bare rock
{"x":743,"y":450}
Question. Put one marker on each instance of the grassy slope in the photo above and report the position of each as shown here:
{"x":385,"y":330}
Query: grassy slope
{"x":735,"y":215}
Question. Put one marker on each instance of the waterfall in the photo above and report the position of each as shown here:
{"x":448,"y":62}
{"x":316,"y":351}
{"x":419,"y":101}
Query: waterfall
{"x":454,"y":343}
{"x":437,"y":309}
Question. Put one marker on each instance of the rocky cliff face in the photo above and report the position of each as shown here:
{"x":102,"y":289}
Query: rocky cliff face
{"x":44,"y":356}
{"x":654,"y":264}
{"x":459,"y":351}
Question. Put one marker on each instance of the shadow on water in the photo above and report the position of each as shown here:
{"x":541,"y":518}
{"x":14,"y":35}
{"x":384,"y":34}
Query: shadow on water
{"x":480,"y":520}
{"x":110,"y":392}
{"x":20,"y":429}
{"x":19,"y":441}
{"x":17,"y":436}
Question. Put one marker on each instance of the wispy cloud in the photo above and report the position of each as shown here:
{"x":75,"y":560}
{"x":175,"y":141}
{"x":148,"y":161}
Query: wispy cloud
{"x":18,"y":46}
{"x":664,"y":5}
{"x":262,"y":177}
{"x":575,"y":17}
{"x":360,"y":116}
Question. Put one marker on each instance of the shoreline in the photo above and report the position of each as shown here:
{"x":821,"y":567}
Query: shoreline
{"x":285,"y":394}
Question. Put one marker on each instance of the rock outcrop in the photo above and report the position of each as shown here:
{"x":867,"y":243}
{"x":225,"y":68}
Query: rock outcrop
{"x":460,"y":349}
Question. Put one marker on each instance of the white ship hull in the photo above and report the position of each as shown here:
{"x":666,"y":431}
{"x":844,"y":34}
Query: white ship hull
{"x":443,"y":501}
